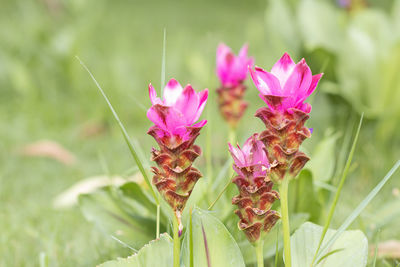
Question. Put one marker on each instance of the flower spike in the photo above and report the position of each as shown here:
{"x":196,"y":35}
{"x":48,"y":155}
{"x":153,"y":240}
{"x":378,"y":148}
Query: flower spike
{"x":175,"y":130}
{"x":284,"y":90}
{"x":255,"y":189}
{"x":232,"y":71}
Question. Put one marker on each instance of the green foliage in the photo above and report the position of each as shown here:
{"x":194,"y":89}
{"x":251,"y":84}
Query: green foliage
{"x":158,"y":253}
{"x":350,"y":249}
{"x":126,"y":214}
{"x":322,"y":163}
{"x":213,"y":245}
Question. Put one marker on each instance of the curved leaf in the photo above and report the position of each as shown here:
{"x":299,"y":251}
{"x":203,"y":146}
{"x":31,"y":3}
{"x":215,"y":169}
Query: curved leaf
{"x":158,"y":253}
{"x":349,"y":250}
{"x":213,"y":245}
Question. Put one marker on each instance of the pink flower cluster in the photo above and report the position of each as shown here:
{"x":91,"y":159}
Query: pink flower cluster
{"x":178,"y":111}
{"x":290,"y":82}
{"x":232,"y":70}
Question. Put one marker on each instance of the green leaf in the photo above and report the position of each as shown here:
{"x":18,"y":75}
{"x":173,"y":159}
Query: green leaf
{"x":322,"y":163}
{"x":349,"y":220}
{"x":127,"y":223}
{"x":213,"y":245}
{"x":158,"y":253}
{"x":303,"y":186}
{"x":128,"y":141}
{"x":135,"y":192}
{"x":350,"y":250}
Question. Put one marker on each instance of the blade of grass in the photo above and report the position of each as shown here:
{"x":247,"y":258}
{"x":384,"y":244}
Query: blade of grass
{"x":376,"y":249}
{"x":349,"y":220}
{"x":220,"y":194}
{"x":124,"y":132}
{"x":163,"y":62}
{"x":277,"y":247}
{"x":191,"y":239}
{"x":339,"y":189}
{"x":330,"y":253}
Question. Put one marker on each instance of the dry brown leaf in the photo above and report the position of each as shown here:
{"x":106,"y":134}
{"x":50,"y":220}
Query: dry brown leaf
{"x":92,"y":129}
{"x":49,"y":149}
{"x":387,"y":249}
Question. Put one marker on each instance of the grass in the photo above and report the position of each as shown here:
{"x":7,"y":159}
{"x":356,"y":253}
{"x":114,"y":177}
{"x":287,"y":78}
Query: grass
{"x":45,"y":94}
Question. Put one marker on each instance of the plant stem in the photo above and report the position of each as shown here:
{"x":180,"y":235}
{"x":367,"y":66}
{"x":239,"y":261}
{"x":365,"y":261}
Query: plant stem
{"x":232,"y":136}
{"x":283,"y":191}
{"x":259,"y":252}
{"x":158,"y":222}
{"x":177,"y":244}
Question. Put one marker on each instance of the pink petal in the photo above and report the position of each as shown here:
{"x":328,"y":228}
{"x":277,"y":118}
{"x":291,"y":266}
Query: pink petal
{"x":298,"y":82}
{"x":157,"y":118}
{"x":283,"y":68}
{"x":203,"y":96}
{"x":237,"y":155}
{"x":265,"y":82}
{"x":199,"y":124}
{"x":188,"y":103}
{"x":225,"y":58}
{"x":172,"y":91}
{"x":314,"y":83}
{"x":153,"y":95}
{"x":243,"y":52}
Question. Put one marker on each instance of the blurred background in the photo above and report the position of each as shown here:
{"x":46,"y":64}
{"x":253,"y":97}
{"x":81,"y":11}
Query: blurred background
{"x":55,"y":128}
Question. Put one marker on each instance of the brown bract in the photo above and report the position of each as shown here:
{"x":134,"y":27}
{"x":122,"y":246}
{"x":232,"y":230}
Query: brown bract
{"x":254,"y":204}
{"x":174,"y":176}
{"x":284,"y":133}
{"x":231,"y":103}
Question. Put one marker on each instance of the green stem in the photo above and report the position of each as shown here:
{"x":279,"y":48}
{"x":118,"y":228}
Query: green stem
{"x":232,"y":136}
{"x":259,"y":252}
{"x":158,"y":222}
{"x":283,"y":191}
{"x":177,"y":244}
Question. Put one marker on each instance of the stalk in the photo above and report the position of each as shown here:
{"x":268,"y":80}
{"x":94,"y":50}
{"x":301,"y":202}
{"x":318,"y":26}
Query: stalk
{"x":259,"y":252}
{"x":177,"y":244}
{"x":158,"y":222}
{"x":232,"y":135}
{"x":283,"y":191}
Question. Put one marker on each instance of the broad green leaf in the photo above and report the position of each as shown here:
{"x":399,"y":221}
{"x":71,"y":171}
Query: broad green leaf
{"x":157,"y":253}
{"x":350,"y":249}
{"x":322,"y":163}
{"x":134,"y":191}
{"x":303,"y":198}
{"x":213,"y":245}
{"x":116,"y":218}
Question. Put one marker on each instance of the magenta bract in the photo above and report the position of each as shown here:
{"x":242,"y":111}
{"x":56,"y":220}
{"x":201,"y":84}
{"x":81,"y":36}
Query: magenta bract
{"x":178,"y":111}
{"x":288,"y":84}
{"x":231,"y":69}
{"x":252,"y":155}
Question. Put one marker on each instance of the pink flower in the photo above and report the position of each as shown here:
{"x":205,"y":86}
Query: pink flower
{"x":178,"y":111}
{"x":231,"y":69}
{"x":287,"y":85}
{"x":252,"y":156}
